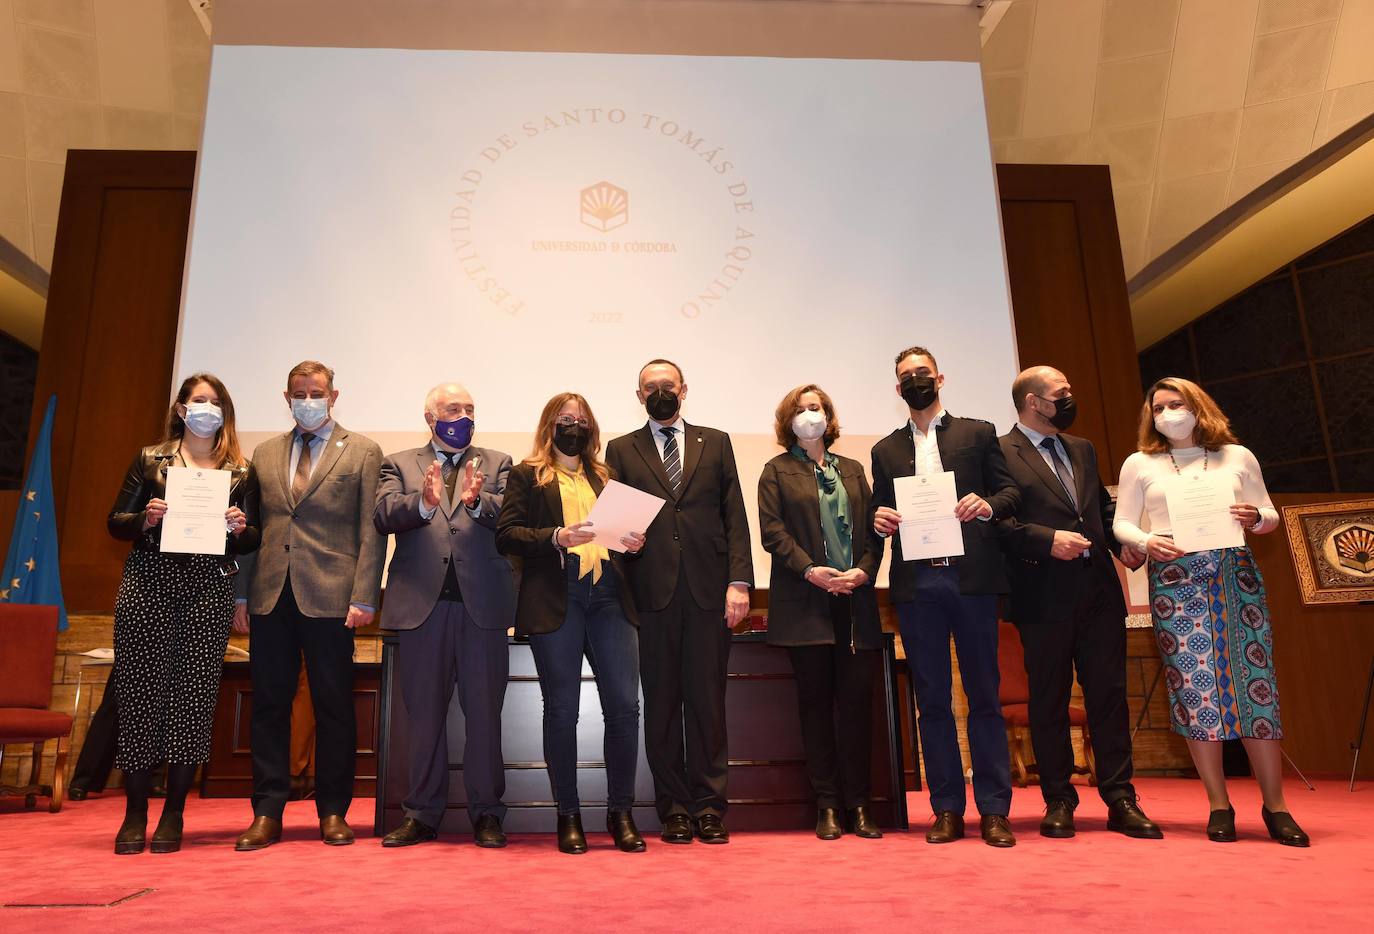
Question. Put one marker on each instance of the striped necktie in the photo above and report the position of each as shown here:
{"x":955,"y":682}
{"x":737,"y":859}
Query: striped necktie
{"x":672,"y":460}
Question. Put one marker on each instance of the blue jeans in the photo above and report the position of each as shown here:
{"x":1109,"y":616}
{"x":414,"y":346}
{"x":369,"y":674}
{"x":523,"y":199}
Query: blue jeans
{"x":927,"y":623}
{"x":595,"y":626}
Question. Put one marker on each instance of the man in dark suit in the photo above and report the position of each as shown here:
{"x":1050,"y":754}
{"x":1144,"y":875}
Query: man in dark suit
{"x":450,"y":597}
{"x":1067,"y":603}
{"x":951,"y":596}
{"x":316,"y":578}
{"x":691,"y":584}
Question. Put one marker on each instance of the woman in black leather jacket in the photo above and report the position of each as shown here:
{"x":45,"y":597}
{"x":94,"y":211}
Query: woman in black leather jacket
{"x":173,"y":612}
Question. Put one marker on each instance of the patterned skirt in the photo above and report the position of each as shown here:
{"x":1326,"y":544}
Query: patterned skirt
{"x":1212,"y":627}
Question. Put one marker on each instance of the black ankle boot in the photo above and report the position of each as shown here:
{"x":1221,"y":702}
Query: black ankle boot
{"x":864,"y":825}
{"x":167,"y":837}
{"x":828,"y":824}
{"x":621,"y":826}
{"x":1221,"y":826}
{"x":1283,"y":828}
{"x":133,"y":834}
{"x":570,"y":836}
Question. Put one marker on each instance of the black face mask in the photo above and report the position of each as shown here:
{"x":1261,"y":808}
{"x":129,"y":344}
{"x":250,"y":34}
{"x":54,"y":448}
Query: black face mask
{"x":571,"y":439}
{"x":1065,"y":411}
{"x":661,"y":405}
{"x":919,"y":391}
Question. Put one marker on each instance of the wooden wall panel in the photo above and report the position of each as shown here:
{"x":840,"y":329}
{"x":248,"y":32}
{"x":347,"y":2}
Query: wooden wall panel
{"x":1068,"y":291}
{"x":108,"y":342}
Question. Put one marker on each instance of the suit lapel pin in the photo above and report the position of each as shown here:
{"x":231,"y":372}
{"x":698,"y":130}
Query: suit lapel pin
{"x":338,"y":444}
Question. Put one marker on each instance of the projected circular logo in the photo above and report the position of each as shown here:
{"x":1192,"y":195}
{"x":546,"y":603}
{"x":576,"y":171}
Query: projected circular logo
{"x":616,"y":217}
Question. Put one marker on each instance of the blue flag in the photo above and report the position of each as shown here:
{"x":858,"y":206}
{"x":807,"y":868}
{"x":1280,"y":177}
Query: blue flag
{"x":31,"y":572}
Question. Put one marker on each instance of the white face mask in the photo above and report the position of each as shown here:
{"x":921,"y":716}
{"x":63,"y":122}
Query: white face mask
{"x":310,"y":413}
{"x":203,"y":419}
{"x":1176,"y":424}
{"x":808,"y":425}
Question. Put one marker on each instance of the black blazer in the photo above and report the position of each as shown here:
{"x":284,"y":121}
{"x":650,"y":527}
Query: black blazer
{"x":1043,"y":588}
{"x":529,"y":515}
{"x":147,"y":479}
{"x":968,"y":446}
{"x":704,"y":532}
{"x":790,"y":524}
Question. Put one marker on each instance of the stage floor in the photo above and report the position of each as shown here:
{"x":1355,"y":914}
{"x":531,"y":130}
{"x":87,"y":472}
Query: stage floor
{"x":761,"y":881}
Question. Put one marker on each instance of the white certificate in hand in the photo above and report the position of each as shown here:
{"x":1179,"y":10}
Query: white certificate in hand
{"x":1200,"y":512}
{"x":197,"y":499}
{"x":619,"y":510}
{"x":929,"y":527}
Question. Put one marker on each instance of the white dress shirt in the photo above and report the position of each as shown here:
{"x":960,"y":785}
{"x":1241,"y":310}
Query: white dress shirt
{"x":927,"y":447}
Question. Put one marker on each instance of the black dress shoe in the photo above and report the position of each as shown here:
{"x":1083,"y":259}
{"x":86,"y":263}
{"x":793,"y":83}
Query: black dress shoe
{"x":571,"y":839}
{"x":676,"y":829}
{"x":76,"y":792}
{"x":828,"y":824}
{"x":167,"y":836}
{"x":1221,"y":826}
{"x":1283,"y":828}
{"x":1125,"y":816}
{"x":711,"y":830}
{"x":487,"y":833}
{"x":132,"y":835}
{"x":1058,"y":820}
{"x":410,"y":833}
{"x":997,"y":831}
{"x":863,"y":824}
{"x":621,"y":826}
{"x":947,"y":828}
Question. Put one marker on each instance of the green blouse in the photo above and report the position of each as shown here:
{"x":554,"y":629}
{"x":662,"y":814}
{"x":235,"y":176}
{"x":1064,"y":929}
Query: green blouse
{"x":834,"y":503}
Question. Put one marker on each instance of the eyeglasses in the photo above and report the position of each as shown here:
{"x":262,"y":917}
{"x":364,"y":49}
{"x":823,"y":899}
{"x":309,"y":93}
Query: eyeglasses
{"x":567,"y":421}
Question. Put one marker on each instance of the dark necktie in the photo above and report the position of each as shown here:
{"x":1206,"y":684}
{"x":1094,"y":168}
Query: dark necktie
{"x":1061,"y":469}
{"x":672,"y":461}
{"x":302,"y":478}
{"x":450,"y":469}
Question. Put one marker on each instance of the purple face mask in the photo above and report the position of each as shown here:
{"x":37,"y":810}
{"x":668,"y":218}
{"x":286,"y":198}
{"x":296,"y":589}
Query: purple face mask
{"x":456,"y":434}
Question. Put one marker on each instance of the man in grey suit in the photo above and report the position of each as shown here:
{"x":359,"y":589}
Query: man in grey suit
{"x":317,"y":578}
{"x":450,"y":597}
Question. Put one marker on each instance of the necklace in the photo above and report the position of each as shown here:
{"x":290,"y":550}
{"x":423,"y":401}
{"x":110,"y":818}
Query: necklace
{"x":1174,"y":461}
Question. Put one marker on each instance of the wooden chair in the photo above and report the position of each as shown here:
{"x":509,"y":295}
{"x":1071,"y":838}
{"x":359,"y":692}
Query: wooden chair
{"x":28,"y":647}
{"x":1015,"y":698}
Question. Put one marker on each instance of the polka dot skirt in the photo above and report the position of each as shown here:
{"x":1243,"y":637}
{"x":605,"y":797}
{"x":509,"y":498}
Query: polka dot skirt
{"x":172,"y":620}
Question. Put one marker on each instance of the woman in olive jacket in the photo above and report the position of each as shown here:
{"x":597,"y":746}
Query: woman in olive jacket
{"x":813,"y":517}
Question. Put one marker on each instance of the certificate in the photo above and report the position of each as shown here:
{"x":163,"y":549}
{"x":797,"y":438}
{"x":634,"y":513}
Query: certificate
{"x":197,"y":499}
{"x":929,"y":527}
{"x":1200,"y":512}
{"x":619,"y":510}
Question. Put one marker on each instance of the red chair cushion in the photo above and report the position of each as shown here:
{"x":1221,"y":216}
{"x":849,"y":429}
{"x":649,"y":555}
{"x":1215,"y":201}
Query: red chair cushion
{"x":26,"y":725}
{"x":1011,"y":664}
{"x":28,"y":645}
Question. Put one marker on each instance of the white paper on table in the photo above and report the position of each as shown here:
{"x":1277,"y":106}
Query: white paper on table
{"x":197,"y":499}
{"x":929,"y":527}
{"x":619,"y":510}
{"x":1200,"y":512}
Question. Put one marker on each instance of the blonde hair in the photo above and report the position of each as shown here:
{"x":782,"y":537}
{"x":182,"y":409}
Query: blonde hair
{"x":543,"y":459}
{"x":1213,"y":428}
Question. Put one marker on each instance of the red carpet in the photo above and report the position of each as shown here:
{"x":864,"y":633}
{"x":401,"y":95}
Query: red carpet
{"x":774,"y":881}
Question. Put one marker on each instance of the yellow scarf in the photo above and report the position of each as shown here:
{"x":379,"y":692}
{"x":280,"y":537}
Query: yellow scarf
{"x":578,"y":496}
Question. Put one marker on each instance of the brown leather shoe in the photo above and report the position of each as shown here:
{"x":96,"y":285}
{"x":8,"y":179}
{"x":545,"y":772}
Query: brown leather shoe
{"x":997,"y":830}
{"x":262,"y":833}
{"x":947,"y":828}
{"x":335,"y":831}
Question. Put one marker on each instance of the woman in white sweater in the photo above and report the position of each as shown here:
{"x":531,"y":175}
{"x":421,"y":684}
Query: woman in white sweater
{"x":1210,"y":615}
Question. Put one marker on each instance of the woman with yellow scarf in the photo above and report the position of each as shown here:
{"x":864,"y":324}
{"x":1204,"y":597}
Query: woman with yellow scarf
{"x":574,"y":602}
